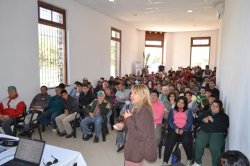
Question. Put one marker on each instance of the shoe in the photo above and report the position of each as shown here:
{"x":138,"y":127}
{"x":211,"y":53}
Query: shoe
{"x":120,"y":148}
{"x":189,"y":163}
{"x":164,"y":164}
{"x":196,"y":164}
{"x":62,"y":134}
{"x":69,"y":135}
{"x":54,"y":130}
{"x":96,"y":139}
{"x":88,"y":137}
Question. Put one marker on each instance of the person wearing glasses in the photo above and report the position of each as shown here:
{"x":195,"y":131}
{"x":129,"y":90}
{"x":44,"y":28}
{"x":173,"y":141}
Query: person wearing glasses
{"x":213,"y":128}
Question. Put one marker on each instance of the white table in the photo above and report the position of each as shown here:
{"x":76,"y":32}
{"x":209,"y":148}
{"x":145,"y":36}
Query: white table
{"x":65,"y":157}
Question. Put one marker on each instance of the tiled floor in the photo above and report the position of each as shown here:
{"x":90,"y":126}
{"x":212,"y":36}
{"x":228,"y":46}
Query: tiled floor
{"x":102,"y":153}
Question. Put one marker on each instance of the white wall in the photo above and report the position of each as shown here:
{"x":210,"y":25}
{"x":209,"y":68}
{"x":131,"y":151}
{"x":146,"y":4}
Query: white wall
{"x":19,"y":47}
{"x":181,"y":42}
{"x":168,"y":50}
{"x":88,"y":45}
{"x":233,"y":73}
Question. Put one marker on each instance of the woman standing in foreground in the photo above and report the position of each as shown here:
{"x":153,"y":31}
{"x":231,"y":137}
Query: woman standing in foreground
{"x":141,"y":139}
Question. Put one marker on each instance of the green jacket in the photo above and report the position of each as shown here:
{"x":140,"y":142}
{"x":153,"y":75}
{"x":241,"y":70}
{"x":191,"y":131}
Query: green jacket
{"x":104,"y":107}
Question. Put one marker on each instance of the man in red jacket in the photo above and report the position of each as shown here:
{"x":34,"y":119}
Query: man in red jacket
{"x":10,"y":108}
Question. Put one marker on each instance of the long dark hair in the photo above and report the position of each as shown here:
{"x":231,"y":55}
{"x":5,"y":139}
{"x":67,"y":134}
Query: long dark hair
{"x":185,"y":103}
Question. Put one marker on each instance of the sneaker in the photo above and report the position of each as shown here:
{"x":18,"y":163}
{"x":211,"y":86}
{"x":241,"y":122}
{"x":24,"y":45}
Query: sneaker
{"x":196,"y":164}
{"x":54,"y":130}
{"x":96,"y":139}
{"x":69,"y":135}
{"x":189,"y":163}
{"x":120,"y":148}
{"x":62,"y":134}
{"x":88,"y":137}
{"x":164,"y":164}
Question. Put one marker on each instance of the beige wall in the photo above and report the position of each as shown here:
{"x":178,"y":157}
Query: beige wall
{"x":178,"y":48}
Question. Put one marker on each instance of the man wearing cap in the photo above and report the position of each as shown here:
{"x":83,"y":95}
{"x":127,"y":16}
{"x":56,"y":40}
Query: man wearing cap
{"x":97,"y":112}
{"x":10,"y":108}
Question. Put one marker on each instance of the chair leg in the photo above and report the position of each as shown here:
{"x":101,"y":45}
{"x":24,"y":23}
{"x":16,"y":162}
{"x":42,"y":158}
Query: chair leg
{"x":39,"y":132}
{"x":74,"y":128}
{"x":159,"y":150}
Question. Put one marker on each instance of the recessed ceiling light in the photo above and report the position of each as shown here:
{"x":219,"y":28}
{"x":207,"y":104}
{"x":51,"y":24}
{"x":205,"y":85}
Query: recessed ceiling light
{"x":111,"y":0}
{"x":190,"y":11}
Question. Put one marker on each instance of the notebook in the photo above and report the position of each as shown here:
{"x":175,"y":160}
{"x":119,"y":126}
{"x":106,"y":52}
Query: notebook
{"x":28,"y":153}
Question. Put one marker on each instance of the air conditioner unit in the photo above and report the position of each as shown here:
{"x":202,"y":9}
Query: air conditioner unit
{"x":219,"y":9}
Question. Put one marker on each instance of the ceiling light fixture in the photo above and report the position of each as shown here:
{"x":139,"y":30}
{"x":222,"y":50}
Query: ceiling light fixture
{"x":111,"y":0}
{"x":189,"y":11}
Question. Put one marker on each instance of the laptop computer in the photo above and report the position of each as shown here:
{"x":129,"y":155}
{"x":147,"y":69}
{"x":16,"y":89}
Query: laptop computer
{"x":28,"y":153}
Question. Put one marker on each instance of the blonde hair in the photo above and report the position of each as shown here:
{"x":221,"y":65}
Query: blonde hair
{"x":144,"y":97}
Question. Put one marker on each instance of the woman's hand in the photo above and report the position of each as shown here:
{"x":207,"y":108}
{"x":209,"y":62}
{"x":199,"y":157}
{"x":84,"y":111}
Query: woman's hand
{"x":177,"y":131}
{"x":210,"y":118}
{"x":205,"y":120}
{"x":181,"y":131}
{"x":119,"y":126}
{"x":127,"y":114}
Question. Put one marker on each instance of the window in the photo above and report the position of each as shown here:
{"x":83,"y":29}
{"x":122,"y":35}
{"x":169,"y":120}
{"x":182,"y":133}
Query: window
{"x":200,"y":49}
{"x":153,"y":50}
{"x":115,"y":67}
{"x":52,"y":45}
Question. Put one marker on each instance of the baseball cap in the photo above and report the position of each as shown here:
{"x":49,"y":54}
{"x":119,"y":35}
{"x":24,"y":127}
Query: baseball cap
{"x":100,"y":93}
{"x":12,"y":88}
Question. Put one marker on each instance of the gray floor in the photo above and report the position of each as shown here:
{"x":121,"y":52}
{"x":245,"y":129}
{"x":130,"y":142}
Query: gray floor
{"x":102,"y":153}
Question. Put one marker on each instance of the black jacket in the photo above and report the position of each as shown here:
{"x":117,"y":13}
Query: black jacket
{"x":71,"y":105}
{"x":85,"y":100}
{"x":219,"y":125}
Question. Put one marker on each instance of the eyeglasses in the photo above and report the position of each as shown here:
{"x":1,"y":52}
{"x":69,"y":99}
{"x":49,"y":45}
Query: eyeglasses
{"x":49,"y":163}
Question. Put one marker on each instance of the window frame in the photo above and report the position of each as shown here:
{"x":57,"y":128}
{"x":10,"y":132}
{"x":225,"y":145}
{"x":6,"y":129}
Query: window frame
{"x":118,"y":40}
{"x":56,"y":25}
{"x":155,"y":36}
{"x":200,"y":45}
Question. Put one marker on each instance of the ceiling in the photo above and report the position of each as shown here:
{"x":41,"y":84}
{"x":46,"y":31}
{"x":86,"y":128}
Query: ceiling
{"x":160,"y":15}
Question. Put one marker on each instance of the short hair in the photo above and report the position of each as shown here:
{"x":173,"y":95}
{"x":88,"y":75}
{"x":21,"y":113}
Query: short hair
{"x":185,"y":103}
{"x":214,"y":96}
{"x":44,"y":87}
{"x":234,"y":158}
{"x":64,"y":91}
{"x":84,"y":85}
{"x":171,"y":93}
{"x":188,"y":92}
{"x":155,"y":91}
{"x":62,"y":85}
{"x":59,"y":87}
{"x":78,"y":83}
{"x":203,"y":87}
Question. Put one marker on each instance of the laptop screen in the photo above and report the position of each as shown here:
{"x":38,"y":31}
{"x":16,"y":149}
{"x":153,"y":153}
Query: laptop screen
{"x":29,"y":150}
